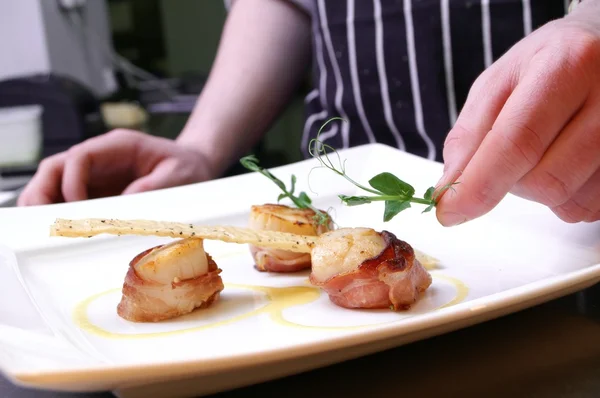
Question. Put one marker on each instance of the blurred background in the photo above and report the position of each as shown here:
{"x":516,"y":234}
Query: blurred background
{"x":74,"y":69}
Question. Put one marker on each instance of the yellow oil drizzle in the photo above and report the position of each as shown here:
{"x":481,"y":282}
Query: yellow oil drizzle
{"x":462,"y":291}
{"x":279,"y":299}
{"x":428,"y":262}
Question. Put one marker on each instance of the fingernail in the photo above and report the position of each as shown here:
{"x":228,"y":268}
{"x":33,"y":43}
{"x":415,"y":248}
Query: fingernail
{"x":437,"y":184}
{"x":449,"y":175}
{"x":446,"y":168}
{"x":444,"y":176}
{"x":440,"y":184}
{"x":450,"y":219}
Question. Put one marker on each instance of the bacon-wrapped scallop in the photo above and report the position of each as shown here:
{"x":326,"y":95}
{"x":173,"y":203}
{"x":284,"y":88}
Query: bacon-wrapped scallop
{"x":363,"y":268}
{"x":168,"y":281}
{"x":282,"y":218}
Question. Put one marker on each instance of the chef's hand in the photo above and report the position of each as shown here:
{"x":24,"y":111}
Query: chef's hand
{"x":119,"y":162}
{"x":531,"y":126}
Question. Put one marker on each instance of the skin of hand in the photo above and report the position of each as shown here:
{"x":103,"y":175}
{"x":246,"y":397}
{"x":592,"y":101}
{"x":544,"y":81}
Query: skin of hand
{"x":119,"y":162}
{"x":264,"y":51}
{"x":531,"y":127}
{"x":264,"y":54}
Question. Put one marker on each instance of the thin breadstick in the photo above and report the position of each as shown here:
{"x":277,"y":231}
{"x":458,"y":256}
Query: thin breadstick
{"x":95,"y":226}
{"x":89,"y":227}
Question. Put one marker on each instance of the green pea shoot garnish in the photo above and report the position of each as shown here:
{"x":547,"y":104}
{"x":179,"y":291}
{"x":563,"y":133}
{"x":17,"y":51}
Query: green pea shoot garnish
{"x":302,"y":201}
{"x":397,"y":195}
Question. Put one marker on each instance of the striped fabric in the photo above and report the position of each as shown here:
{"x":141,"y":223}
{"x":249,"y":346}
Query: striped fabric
{"x":399,"y":71}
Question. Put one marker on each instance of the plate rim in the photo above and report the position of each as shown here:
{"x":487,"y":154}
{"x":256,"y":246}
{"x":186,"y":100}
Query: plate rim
{"x":505,"y":299}
{"x":554,"y":284}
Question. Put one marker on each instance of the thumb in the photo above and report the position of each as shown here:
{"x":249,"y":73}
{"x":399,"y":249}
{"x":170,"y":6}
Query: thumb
{"x":160,"y":177}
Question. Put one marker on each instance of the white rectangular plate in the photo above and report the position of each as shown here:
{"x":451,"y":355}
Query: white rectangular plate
{"x":59,"y":328}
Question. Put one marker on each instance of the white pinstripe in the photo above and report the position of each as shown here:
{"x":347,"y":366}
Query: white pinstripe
{"x":339,"y":89}
{"x":354,"y":70}
{"x":385,"y":94}
{"x":414,"y":79}
{"x":311,"y":96}
{"x":332,"y":132}
{"x":527,"y":16}
{"x":321,"y":93}
{"x":486,"y":29}
{"x":447,"y":43}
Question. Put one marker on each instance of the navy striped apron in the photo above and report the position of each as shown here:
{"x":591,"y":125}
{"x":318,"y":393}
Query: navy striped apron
{"x":399,"y":71}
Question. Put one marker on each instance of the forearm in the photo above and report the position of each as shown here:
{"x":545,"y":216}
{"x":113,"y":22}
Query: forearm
{"x":263,"y":54}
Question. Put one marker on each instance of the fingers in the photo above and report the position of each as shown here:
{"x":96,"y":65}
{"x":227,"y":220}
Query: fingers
{"x":62,"y":177}
{"x":99,"y":163}
{"x":76,"y":174}
{"x":484,"y":102}
{"x":530,"y":120}
{"x":568,"y":164}
{"x":107,"y":162}
{"x":163,"y":176}
{"x":182,"y":167}
{"x":584,"y":204}
{"x":45,"y":186}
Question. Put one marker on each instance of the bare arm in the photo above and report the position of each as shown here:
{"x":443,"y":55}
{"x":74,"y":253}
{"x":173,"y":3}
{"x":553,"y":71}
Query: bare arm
{"x":264,"y":51}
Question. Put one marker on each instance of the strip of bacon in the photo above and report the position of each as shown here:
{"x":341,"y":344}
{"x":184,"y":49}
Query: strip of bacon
{"x":273,"y":260}
{"x":390,"y":277}
{"x":282,"y":218}
{"x":147,"y":299}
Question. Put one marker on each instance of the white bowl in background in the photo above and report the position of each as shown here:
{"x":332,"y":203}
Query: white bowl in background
{"x":20,"y":135}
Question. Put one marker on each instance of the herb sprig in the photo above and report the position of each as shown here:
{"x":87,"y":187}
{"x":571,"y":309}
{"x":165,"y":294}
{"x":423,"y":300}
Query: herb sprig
{"x":302,"y":201}
{"x":397,"y":195}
